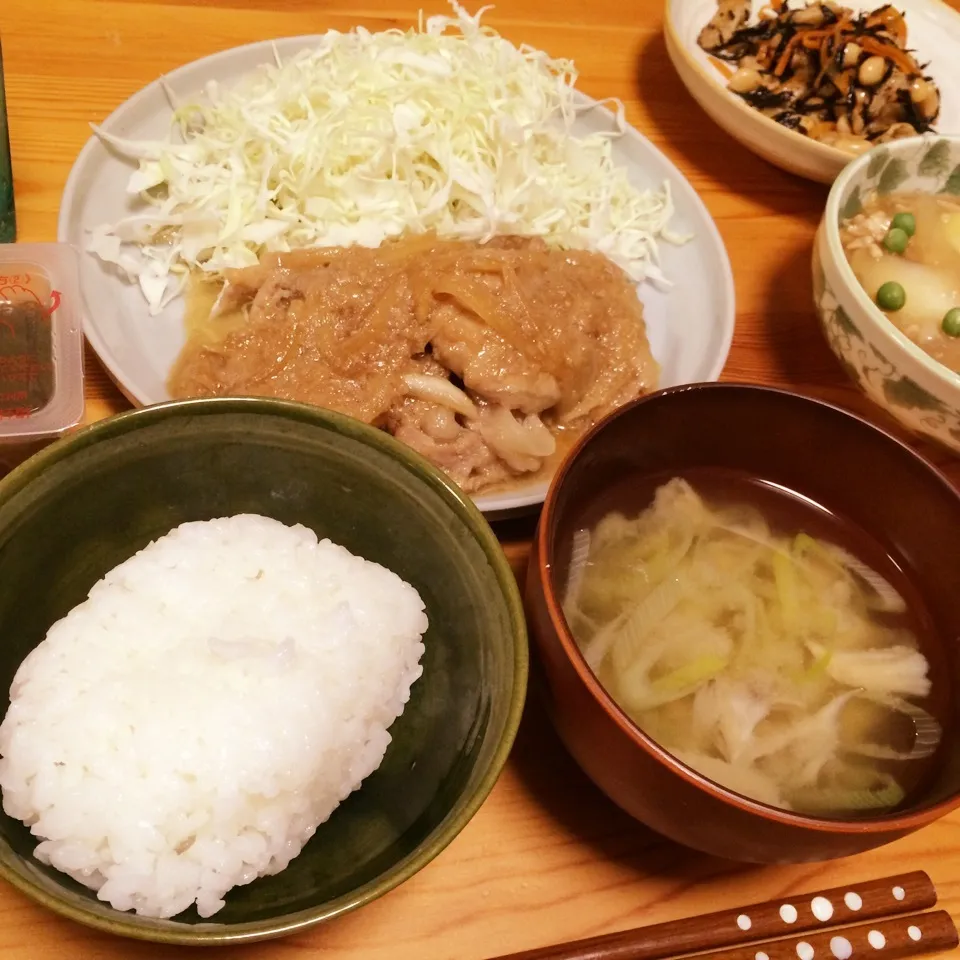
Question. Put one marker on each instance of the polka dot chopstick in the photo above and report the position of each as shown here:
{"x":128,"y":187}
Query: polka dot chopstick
{"x":879,"y":919}
{"x":888,"y":938}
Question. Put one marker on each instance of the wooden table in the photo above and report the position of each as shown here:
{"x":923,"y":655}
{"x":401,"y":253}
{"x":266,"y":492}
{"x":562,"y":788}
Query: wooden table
{"x":547,"y":858}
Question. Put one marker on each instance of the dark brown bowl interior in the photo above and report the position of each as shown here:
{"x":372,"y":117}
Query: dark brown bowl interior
{"x":843,"y":463}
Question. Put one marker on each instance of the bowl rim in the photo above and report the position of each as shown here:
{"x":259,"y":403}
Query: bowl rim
{"x":212,"y":933}
{"x":903,"y":822}
{"x":838,"y":259}
{"x":823,"y":151}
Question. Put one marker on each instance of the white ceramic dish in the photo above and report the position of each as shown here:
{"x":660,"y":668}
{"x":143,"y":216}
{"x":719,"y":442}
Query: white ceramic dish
{"x":933,"y":30}
{"x":690,"y":327}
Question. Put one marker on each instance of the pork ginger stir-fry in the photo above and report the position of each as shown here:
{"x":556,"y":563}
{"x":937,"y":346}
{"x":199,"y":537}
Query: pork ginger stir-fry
{"x":844,"y":79}
{"x":782,"y":668}
{"x":478,"y":356}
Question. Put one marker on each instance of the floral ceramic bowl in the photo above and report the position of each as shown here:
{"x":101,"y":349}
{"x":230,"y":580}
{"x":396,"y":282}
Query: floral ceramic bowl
{"x":890,"y":368}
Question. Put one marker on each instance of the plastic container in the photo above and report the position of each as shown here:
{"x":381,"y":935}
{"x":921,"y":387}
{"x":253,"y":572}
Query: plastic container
{"x":41,"y":342}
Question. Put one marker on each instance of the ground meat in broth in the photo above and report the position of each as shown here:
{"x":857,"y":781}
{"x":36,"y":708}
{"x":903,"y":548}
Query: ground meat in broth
{"x":928,"y":269}
{"x":478,"y":356}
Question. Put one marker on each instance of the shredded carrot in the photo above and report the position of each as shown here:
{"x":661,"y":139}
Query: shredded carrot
{"x":842,"y":82}
{"x":889,"y":51}
{"x":761,"y":55}
{"x":787,"y":54}
{"x":722,"y":66}
{"x":816,"y":39}
{"x":812,"y":39}
{"x":831,"y":44}
{"x":826,"y":57}
{"x":842,"y":26}
{"x":891,"y":21}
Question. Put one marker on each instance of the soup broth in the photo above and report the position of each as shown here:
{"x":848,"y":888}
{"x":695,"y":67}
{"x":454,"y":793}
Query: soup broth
{"x":761,"y":640}
{"x":905,"y":251}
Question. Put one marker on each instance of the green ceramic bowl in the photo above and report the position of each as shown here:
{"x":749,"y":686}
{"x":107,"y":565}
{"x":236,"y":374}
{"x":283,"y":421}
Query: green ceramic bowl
{"x":86,"y":503}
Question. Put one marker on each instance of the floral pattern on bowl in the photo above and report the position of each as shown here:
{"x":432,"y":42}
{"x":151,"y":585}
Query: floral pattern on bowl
{"x":893,"y":371}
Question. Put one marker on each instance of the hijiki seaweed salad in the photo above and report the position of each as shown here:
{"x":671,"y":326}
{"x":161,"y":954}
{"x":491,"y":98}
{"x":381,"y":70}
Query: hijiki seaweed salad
{"x":845,"y":79}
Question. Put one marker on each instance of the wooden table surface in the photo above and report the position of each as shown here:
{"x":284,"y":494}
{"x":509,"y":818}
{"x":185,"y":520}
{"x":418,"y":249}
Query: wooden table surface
{"x":547,"y":858}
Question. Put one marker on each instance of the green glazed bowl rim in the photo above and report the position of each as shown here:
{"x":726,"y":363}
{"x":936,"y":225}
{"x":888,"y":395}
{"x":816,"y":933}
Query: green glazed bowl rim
{"x":831,"y":228}
{"x":169,"y":931}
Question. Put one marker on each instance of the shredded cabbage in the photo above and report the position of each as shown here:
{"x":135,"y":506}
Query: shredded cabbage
{"x":773,"y":665}
{"x":448,"y":128}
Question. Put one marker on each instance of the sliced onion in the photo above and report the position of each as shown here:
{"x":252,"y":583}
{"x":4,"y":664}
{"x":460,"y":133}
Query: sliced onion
{"x":579,"y":555}
{"x":521,"y":444}
{"x":634,"y":624}
{"x":631,"y":630}
{"x":738,"y":711}
{"x":881,"y":671}
{"x":440,"y":390}
{"x":927,"y":731}
{"x":821,"y":729}
{"x":888,"y":600}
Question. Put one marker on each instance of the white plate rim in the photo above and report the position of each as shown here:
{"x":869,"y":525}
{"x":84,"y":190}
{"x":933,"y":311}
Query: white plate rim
{"x":493,"y":505}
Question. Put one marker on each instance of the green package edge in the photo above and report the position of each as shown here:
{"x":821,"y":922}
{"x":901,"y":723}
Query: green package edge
{"x":8,"y":219}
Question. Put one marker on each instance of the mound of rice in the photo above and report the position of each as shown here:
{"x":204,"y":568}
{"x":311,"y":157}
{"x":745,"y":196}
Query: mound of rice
{"x":187,"y":727}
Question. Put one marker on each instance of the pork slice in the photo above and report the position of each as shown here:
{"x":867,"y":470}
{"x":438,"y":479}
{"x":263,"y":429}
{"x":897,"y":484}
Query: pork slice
{"x":488,"y":365}
{"x":456,"y":448}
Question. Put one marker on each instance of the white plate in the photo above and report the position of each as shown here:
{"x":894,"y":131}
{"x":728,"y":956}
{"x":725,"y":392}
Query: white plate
{"x":933,"y":31}
{"x":690,"y":327}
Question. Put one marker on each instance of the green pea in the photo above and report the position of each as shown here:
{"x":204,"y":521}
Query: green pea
{"x":891,"y":296}
{"x":906,"y":222}
{"x":896,"y":240}
{"x":951,"y":322}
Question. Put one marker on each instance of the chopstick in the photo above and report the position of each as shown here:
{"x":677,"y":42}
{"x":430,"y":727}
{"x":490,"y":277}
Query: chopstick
{"x":894,"y":937}
{"x":881,"y":901}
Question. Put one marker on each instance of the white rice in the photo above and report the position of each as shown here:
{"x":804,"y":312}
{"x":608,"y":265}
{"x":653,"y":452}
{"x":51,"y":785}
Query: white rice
{"x":187,"y":727}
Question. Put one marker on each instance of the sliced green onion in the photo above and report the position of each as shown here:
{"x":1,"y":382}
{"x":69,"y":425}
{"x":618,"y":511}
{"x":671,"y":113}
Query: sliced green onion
{"x":692,"y":674}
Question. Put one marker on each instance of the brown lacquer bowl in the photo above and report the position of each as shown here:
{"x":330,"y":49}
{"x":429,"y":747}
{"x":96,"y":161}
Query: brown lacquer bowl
{"x":846,"y":465}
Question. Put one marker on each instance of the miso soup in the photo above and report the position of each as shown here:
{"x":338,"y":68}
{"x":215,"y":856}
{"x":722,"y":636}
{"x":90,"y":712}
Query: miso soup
{"x":759,"y":639}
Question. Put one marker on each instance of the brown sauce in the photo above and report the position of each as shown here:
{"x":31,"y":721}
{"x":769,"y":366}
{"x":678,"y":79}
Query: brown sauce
{"x":26,"y":358}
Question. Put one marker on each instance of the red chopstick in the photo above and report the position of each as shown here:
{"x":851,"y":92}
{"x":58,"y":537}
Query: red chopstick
{"x":784,"y":921}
